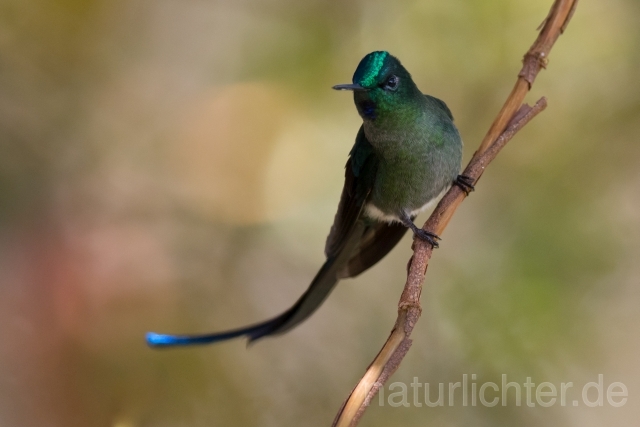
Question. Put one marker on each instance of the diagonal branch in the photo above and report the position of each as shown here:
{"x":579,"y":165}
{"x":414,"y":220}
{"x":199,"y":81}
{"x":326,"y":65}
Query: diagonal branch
{"x":511,"y":118}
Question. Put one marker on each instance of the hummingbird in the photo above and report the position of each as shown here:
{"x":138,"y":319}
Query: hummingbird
{"x":407,"y":153}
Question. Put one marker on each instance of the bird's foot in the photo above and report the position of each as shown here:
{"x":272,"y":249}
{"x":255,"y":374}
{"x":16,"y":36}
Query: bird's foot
{"x":427,"y":236}
{"x":465,"y":183}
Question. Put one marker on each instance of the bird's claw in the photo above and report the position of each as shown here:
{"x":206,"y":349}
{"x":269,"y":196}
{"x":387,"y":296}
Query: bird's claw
{"x":465,"y":183}
{"x":427,"y":236}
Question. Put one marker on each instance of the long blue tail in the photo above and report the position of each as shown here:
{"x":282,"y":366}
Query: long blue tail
{"x":314,"y":296}
{"x":320,"y":287}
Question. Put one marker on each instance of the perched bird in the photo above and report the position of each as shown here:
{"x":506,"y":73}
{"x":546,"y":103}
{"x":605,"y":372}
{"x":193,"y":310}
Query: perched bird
{"x":407,"y":153}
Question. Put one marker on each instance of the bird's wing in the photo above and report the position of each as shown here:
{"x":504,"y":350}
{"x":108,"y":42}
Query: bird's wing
{"x":359,"y":176}
{"x":378,"y":237}
{"x":377,"y":241}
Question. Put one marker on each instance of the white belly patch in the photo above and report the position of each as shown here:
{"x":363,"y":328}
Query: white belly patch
{"x":373,"y":212}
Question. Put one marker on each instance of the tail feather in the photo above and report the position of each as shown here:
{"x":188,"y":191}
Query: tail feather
{"x":314,"y":296}
{"x":320,"y":288}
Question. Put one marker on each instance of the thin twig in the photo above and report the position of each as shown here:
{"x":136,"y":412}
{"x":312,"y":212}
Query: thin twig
{"x":511,"y":118}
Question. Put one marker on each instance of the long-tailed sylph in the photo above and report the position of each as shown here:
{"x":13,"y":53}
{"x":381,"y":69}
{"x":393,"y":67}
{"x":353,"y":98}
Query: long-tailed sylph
{"x":407,"y":153}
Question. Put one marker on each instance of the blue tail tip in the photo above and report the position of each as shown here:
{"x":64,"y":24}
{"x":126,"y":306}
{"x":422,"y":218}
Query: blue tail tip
{"x":155,"y":340}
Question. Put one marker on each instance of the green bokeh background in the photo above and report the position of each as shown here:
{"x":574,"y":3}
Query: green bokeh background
{"x":175,"y":166}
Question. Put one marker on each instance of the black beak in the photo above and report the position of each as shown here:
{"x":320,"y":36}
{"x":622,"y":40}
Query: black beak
{"x":353,"y":87}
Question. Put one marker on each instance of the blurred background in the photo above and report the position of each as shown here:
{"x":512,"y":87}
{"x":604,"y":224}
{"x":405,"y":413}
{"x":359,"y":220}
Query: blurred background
{"x":175,"y":167}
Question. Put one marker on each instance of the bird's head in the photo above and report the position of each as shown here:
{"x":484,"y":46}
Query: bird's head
{"x":380,"y":85}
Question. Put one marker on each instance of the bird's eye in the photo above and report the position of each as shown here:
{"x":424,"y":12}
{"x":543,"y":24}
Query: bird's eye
{"x":391,"y":83}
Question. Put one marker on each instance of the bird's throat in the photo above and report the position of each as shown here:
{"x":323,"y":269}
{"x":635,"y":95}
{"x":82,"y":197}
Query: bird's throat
{"x":367,"y":109}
